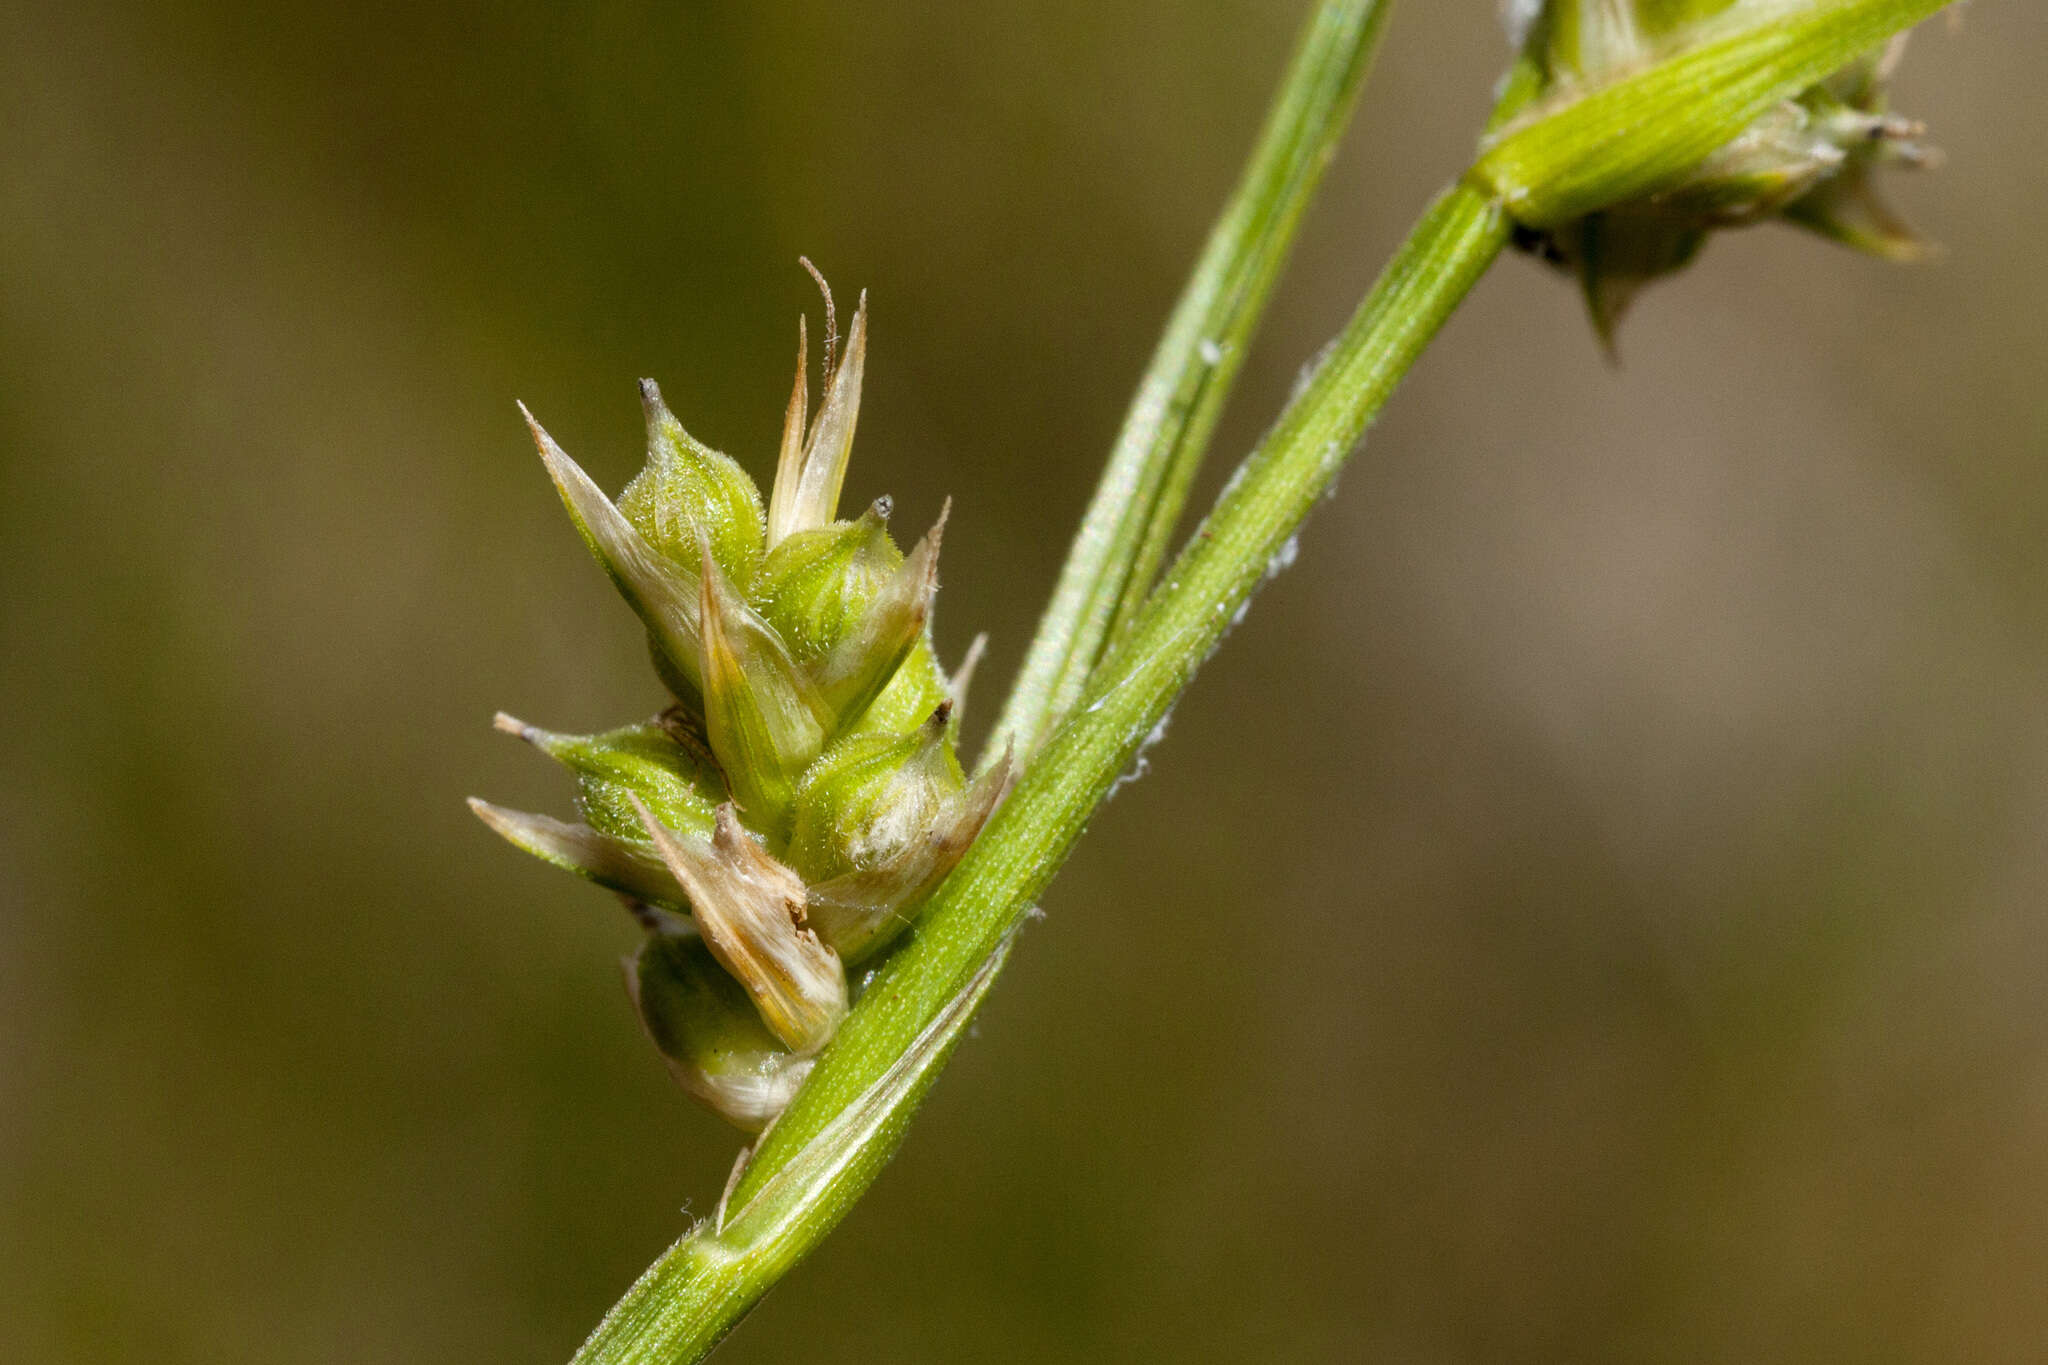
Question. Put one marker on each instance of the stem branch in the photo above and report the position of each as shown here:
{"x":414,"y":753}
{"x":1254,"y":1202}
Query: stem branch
{"x":1224,"y":562}
{"x":849,"y":1116}
{"x":847,"y":1120}
{"x":1123,"y":538}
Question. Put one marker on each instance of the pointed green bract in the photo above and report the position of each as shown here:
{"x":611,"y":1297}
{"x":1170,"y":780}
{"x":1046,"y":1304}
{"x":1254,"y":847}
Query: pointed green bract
{"x":862,"y":910}
{"x":663,"y":593}
{"x":763,"y":714}
{"x":1845,"y":207}
{"x":910,"y":695}
{"x":1615,"y":254}
{"x":676,"y":781}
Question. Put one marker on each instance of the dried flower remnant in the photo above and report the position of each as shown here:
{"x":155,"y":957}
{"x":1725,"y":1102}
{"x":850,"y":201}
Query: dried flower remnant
{"x":750,"y":910}
{"x":802,"y":795}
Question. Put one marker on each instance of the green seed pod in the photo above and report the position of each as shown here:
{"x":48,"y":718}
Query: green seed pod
{"x":706,"y":1030}
{"x":816,"y":585}
{"x":862,"y":663}
{"x":850,"y":605}
{"x":870,"y":796}
{"x":1806,"y":160}
{"x":880,"y":820}
{"x":689,"y":493}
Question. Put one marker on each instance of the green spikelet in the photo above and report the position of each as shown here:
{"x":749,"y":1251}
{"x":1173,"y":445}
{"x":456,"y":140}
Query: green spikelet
{"x":792,"y":812}
{"x":1808,"y":161}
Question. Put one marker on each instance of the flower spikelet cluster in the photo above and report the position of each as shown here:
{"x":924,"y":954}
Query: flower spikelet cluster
{"x":1808,"y":160}
{"x":782,"y":820}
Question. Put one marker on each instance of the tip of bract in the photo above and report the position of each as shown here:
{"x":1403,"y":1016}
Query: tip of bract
{"x":812,"y":466}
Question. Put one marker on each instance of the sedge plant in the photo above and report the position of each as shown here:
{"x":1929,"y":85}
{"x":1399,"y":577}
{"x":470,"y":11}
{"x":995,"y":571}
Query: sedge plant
{"x":828,"y":888}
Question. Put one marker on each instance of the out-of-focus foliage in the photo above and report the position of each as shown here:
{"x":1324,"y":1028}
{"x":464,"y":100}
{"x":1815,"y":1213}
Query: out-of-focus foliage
{"x":1592,"y":909}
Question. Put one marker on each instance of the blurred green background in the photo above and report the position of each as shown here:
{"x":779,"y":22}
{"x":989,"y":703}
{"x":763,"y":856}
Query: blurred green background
{"x":1593,"y":909}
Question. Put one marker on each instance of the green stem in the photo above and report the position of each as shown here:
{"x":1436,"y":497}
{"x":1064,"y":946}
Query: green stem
{"x":700,"y":1289}
{"x":846,"y":1121}
{"x":1123,"y":538}
{"x":1224,"y":562}
{"x":849,"y":1116}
